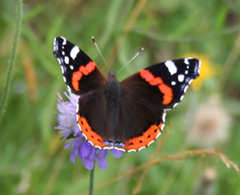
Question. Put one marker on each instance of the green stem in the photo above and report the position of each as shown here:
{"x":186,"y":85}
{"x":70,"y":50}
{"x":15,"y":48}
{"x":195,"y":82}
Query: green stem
{"x":230,"y":63}
{"x":92,"y":174}
{"x":6,"y":87}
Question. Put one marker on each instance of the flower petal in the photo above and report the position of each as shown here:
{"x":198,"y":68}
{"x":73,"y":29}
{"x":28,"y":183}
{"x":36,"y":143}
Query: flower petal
{"x":116,"y":153}
{"x":102,"y":164}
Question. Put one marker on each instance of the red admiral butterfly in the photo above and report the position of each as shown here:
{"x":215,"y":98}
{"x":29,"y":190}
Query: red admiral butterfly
{"x":127,"y":115}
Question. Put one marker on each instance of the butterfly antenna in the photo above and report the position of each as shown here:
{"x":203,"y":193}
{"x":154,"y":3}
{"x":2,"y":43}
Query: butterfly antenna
{"x":131,"y":60}
{"x":93,"y":39}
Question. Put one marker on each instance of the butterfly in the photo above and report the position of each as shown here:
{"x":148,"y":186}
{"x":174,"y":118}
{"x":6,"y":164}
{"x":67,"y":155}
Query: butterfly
{"x":127,"y":115}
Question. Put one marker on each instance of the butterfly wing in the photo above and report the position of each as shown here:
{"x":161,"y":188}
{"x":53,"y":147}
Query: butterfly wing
{"x":147,"y":94}
{"x":140,"y":122}
{"x":163,"y":84}
{"x":79,"y":72}
{"x":83,"y":78}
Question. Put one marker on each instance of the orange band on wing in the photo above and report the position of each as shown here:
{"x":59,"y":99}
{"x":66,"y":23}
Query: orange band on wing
{"x":91,"y":136}
{"x":146,"y":74}
{"x":83,"y":70}
{"x":144,"y":140}
{"x":167,"y":91}
{"x":134,"y":144}
{"x":157,"y":81}
{"x":76,"y":77}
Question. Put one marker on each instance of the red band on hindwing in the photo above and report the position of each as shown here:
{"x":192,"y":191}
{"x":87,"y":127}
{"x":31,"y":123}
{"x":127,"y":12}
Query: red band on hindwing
{"x":91,"y":136}
{"x":144,"y":140}
{"x":157,"y":81}
{"x":83,"y":70}
{"x":132,"y":144}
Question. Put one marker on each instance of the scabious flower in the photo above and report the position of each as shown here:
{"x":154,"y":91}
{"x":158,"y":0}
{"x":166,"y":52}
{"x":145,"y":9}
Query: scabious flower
{"x":80,"y":147}
{"x":210,"y":125}
{"x":206,"y":184}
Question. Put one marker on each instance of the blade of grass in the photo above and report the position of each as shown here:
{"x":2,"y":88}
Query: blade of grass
{"x":7,"y":84}
{"x":129,"y":24}
{"x":231,"y":61}
{"x":44,"y":54}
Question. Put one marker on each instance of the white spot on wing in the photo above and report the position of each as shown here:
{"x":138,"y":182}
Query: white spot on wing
{"x":173,"y":82}
{"x":171,"y":67}
{"x":163,"y":117}
{"x":77,"y":110}
{"x":64,"y":78}
{"x":199,"y":62}
{"x":71,"y":67}
{"x":97,"y":146}
{"x":157,"y":136}
{"x":141,"y":148}
{"x":86,"y":138}
{"x":150,"y":143}
{"x":185,"y":89}
{"x":75,"y":50}
{"x":66,"y":60}
{"x":62,"y":69}
{"x":132,"y":150}
{"x":79,"y":128}
{"x":106,"y":147}
{"x":93,"y":144}
{"x":69,"y":88}
{"x":64,"y":41}
{"x":59,"y":61}
{"x":181,"y":78}
{"x":186,"y":61}
{"x":163,"y":125}
{"x":55,"y":46}
{"x":175,"y":105}
{"x":121,"y":149}
{"x":181,"y":98}
{"x":186,"y":71}
{"x":190,"y":81}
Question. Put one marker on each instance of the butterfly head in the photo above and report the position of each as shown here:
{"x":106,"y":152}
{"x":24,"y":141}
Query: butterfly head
{"x":111,"y":77}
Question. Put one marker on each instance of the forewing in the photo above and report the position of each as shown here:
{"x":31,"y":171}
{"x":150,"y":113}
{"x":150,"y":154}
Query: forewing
{"x":79,"y":72}
{"x":163,"y":84}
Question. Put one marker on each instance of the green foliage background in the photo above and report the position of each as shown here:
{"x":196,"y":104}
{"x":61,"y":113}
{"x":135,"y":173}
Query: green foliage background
{"x":32,"y":158}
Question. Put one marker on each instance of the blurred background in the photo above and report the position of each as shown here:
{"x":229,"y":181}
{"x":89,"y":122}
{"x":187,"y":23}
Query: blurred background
{"x":33,"y":158}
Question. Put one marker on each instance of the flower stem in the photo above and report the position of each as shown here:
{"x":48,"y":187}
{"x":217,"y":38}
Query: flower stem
{"x":6,"y":87}
{"x":92,"y":174}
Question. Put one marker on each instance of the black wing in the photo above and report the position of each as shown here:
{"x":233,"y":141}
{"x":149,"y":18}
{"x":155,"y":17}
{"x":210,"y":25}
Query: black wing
{"x":163,"y":84}
{"x":80,"y":73}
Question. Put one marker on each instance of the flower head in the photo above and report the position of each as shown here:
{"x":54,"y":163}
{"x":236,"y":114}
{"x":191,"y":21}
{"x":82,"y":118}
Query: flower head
{"x":80,"y":147}
{"x":210,"y":125}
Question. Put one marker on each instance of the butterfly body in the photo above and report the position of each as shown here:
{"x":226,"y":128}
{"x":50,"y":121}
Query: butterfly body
{"x":127,"y":115}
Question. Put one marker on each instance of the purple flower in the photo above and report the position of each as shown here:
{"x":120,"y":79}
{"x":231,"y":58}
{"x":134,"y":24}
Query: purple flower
{"x":80,"y":147}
